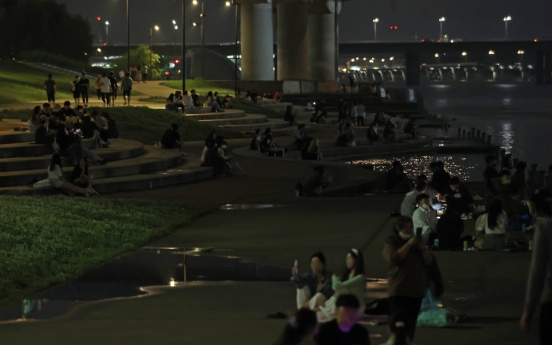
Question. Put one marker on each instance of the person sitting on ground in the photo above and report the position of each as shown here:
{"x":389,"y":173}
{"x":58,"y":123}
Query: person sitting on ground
{"x":461,"y":195}
{"x":408,"y":258}
{"x":195,"y":99}
{"x":215,"y":160}
{"x":518,"y":187}
{"x":169,"y":103}
{"x":310,"y":106}
{"x":102,"y":125}
{"x":408,"y":205}
{"x":288,"y":115}
{"x":211,"y":102}
{"x":80,"y":177}
{"x":210,"y":143}
{"x":217,"y":100}
{"x":40,"y":133}
{"x":171,"y":139}
{"x":490,"y":174}
{"x":269,"y":146}
{"x":70,"y":144}
{"x":188,"y":102}
{"x":178,"y":100}
{"x":491,"y":228}
{"x":299,"y":329}
{"x":372,"y":133}
{"x":510,"y":205}
{"x":397,"y":329}
{"x":346,"y":137}
{"x":344,"y":330}
{"x":55,"y":176}
{"x":33,"y":122}
{"x":434,"y":196}
{"x":440,"y":181}
{"x":450,"y":228}
{"x":316,"y":183}
{"x":268,"y":95}
{"x":46,"y":109}
{"x":113,"y":132}
{"x":410,"y":128}
{"x":90,"y":131}
{"x":390,"y":130}
{"x":311,"y":150}
{"x":66,"y":110}
{"x":313,"y":289}
{"x":278,"y":96}
{"x":424,"y":217}
{"x":227,"y":103}
{"x":297,"y":137}
{"x":267,"y":132}
{"x":396,"y":180}
{"x":256,"y":141}
{"x":380,"y":118}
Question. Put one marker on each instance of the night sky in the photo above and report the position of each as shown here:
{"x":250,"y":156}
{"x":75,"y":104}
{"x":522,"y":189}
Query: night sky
{"x":467,"y":19}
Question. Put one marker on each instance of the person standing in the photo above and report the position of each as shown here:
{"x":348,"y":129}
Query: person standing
{"x":75,"y":88}
{"x":114,"y":87}
{"x":539,"y":284}
{"x":106,"y":90}
{"x":138,"y":73}
{"x":144,"y":73}
{"x":98,"y":85}
{"x":408,"y":257}
{"x":51,"y":90}
{"x":84,"y":85}
{"x":126,"y":85}
{"x":361,"y":114}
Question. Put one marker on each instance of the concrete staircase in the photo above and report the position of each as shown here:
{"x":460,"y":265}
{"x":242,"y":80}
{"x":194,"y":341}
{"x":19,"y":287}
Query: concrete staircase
{"x":132,"y":166}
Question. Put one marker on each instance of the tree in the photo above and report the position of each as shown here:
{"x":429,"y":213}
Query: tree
{"x":141,"y":57}
{"x":53,"y":29}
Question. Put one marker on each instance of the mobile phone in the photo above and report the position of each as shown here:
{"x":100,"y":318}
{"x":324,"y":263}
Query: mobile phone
{"x":419,"y":233}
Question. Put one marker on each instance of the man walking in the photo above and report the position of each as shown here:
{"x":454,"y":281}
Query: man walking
{"x":144,"y":73}
{"x":51,"y":89}
{"x":84,"y":85}
{"x":114,"y":87}
{"x":106,"y":90}
{"x":126,"y":85}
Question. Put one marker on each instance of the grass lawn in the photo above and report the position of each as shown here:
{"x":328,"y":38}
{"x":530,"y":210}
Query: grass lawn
{"x":21,"y":83}
{"x":40,"y":248}
{"x":146,"y":125}
{"x":202,"y":87}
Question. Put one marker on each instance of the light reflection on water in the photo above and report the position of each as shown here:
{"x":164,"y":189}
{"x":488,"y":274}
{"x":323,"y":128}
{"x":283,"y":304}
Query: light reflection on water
{"x":469,"y":167}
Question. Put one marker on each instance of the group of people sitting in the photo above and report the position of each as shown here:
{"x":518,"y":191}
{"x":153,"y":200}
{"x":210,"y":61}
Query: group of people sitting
{"x":215,"y":154}
{"x":191,"y":103}
{"x":265,"y":144}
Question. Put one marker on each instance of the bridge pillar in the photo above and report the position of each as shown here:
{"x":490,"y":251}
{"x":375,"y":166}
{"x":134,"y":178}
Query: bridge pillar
{"x":440,"y":73}
{"x":467,"y":72}
{"x":412,"y":69}
{"x":321,"y":40}
{"x":291,"y":37}
{"x":403,"y":75}
{"x":453,"y":71}
{"x":257,"y":62}
{"x":392,"y":75}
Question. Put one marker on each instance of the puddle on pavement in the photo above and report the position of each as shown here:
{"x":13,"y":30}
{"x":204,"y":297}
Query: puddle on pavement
{"x":234,"y":207}
{"x":128,"y":275}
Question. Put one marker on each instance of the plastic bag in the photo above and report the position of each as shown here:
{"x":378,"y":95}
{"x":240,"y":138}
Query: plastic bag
{"x":432,"y":313}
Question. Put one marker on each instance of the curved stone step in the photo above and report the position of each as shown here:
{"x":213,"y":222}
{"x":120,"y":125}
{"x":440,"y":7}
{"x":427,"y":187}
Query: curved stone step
{"x":226,"y":114}
{"x":118,"y":150}
{"x":248,"y":119}
{"x":30,"y":149}
{"x":251,"y":127}
{"x":173,"y":176}
{"x":152,"y":160}
{"x":10,"y":137}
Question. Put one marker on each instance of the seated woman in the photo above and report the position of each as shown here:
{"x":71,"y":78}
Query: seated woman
{"x":214,"y":159}
{"x":491,"y":228}
{"x":410,"y":128}
{"x":313,"y":289}
{"x":79,"y":177}
{"x":55,"y":176}
{"x":169,"y":104}
{"x":288,"y":115}
{"x":210,"y":142}
{"x":311,"y":151}
{"x":212,"y":102}
{"x":270,"y":147}
{"x":352,"y":281}
{"x":315,"y":184}
{"x":390,"y":130}
{"x":33,"y":122}
{"x":255,"y":143}
{"x":372,"y":133}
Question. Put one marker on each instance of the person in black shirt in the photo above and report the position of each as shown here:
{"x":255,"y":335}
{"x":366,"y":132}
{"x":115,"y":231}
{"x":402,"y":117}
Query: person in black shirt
{"x":84,"y":84}
{"x":40,"y":133}
{"x":171,"y":139}
{"x":195,"y":98}
{"x":396,"y":180}
{"x":450,"y":228}
{"x":46,"y":109}
{"x":490,"y":173}
{"x":114,"y":88}
{"x":461,"y":195}
{"x":440,"y":179}
{"x":299,"y":328}
{"x":66,"y":110}
{"x":79,"y":177}
{"x":344,"y":330}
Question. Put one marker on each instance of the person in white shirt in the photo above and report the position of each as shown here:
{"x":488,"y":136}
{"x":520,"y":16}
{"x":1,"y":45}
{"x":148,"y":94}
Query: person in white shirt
{"x":408,"y":205}
{"x":56,"y":179}
{"x":106,"y":89}
{"x":491,"y":228}
{"x":188,"y":102}
{"x":424,"y":217}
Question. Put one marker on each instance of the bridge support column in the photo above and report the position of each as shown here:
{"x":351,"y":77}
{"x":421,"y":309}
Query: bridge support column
{"x":257,"y":62}
{"x":440,"y":74}
{"x":412,"y":69}
{"x":321,"y":47}
{"x":392,"y":75}
{"x":292,"y":51}
{"x":467,"y":72}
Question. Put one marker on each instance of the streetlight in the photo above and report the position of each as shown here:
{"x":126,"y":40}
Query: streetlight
{"x":151,"y":43}
{"x":174,"y":37}
{"x":438,"y":58}
{"x":99,"y":50}
{"x":465,"y":55}
{"x":492,"y":54}
{"x":441,"y":20}
{"x":228,"y":3}
{"x":506,"y":20}
{"x":375,"y":20}
{"x":106,"y":32}
{"x":202,"y":15}
{"x":521,"y":53}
